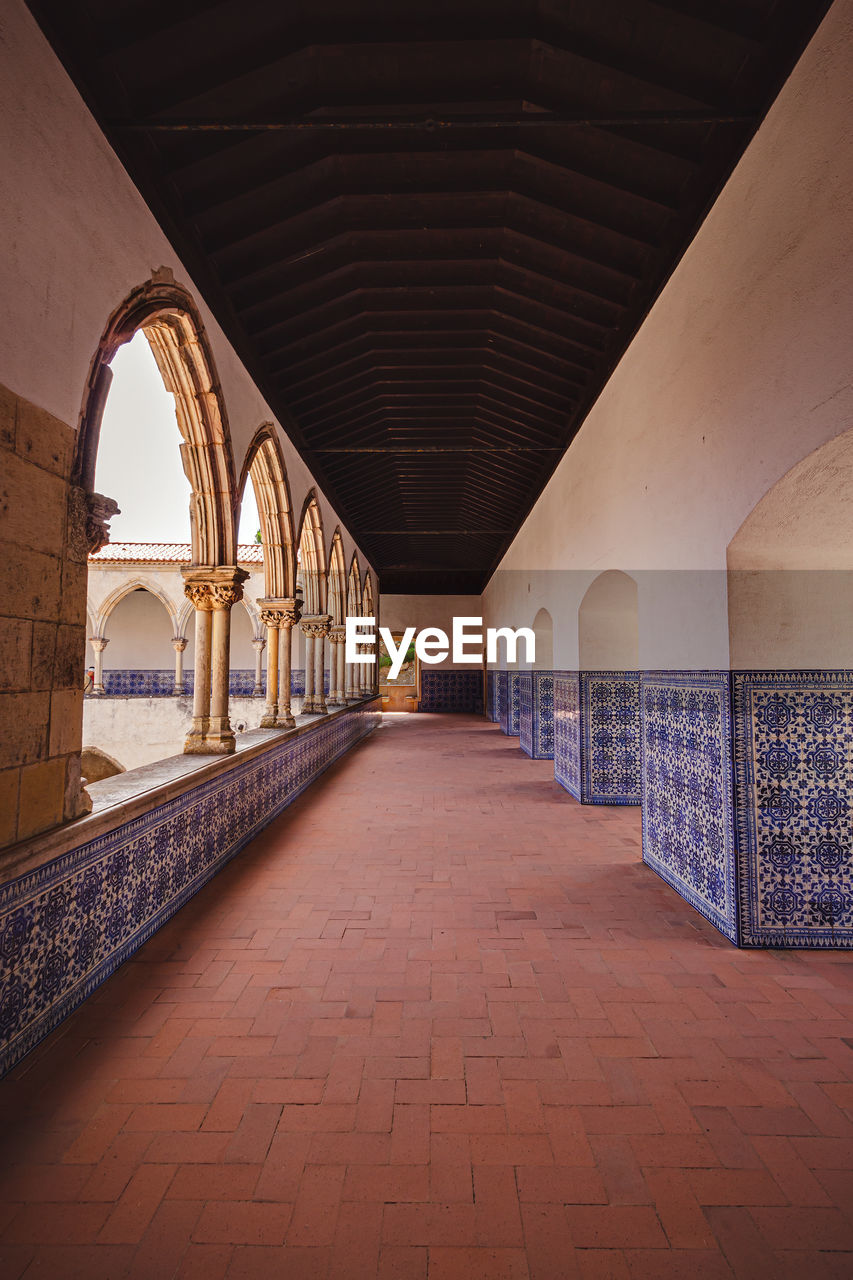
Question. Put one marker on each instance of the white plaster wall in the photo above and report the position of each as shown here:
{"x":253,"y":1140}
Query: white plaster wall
{"x":137,"y":731}
{"x":741,"y":369}
{"x":139,"y":631}
{"x":77,"y":239}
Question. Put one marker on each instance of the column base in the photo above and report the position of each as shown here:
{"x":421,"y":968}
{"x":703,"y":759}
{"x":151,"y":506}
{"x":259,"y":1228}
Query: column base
{"x":285,"y":722}
{"x":269,"y":720}
{"x":178,"y":691}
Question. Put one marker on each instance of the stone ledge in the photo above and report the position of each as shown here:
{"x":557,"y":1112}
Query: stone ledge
{"x":131,"y":794}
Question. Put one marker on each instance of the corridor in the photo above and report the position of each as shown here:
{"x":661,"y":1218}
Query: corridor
{"x":439,"y":1021}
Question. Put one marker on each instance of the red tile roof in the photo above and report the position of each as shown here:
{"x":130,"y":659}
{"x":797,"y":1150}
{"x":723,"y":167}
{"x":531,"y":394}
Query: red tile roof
{"x":167,"y":553}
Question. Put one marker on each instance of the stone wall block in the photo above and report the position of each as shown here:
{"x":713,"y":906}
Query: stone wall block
{"x":78,"y":802}
{"x":43,"y":439}
{"x":9,"y":780}
{"x":77,"y":545}
{"x":66,"y":721}
{"x":70,"y":657}
{"x":30,"y":583}
{"x":25,"y":718}
{"x":41,"y":802}
{"x":75,"y":579}
{"x":44,"y":650}
{"x":8,"y":417}
{"x":32,"y":506}
{"x":16,"y":637}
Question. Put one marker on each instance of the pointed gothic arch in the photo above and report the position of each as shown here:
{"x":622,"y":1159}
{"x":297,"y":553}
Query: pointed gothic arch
{"x":312,"y":553}
{"x":264,"y":466}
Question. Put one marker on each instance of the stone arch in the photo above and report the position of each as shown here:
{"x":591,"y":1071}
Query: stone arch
{"x":171,"y":322}
{"x":608,"y":624}
{"x":138,"y":624}
{"x":312,"y":555}
{"x":354,"y":588}
{"x":790,"y":568}
{"x":367,"y":599}
{"x":135,"y":584}
{"x":264,"y":466}
{"x":543,"y":630}
{"x":336,"y":580}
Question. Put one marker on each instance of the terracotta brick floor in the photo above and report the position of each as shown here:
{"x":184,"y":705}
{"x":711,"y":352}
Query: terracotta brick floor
{"x":438,"y":1020}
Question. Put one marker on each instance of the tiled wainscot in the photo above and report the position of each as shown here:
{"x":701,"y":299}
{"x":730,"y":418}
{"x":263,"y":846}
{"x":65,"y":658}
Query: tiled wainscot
{"x":452,"y":691}
{"x":536,"y":714}
{"x":597,"y":741}
{"x":492,"y":696}
{"x":509,"y":700}
{"x":67,"y":925}
{"x":748,"y":800}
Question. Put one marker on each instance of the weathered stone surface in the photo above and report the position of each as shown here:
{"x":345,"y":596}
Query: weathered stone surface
{"x":32,"y":506}
{"x":9,"y":779}
{"x":42,"y":797}
{"x":15,"y":646}
{"x":70,"y":657}
{"x":24,"y":717}
{"x":66,"y":721}
{"x":75,"y":578}
{"x":29,"y":583}
{"x":8,"y":415}
{"x":44,"y":647}
{"x":77,"y":800}
{"x":43,"y":439}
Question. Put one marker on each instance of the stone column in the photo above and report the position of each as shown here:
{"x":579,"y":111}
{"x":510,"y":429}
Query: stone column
{"x":99,"y":644}
{"x":368,"y":672}
{"x":315,"y":628}
{"x":259,"y":644}
{"x":337,"y":697}
{"x":179,"y":644}
{"x":213,"y":591}
{"x":308,"y":696}
{"x":279,"y":615}
{"x":290,"y":615}
{"x":269,"y":617}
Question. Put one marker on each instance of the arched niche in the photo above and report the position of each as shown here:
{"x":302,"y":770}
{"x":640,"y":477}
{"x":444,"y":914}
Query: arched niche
{"x":608,"y":631}
{"x":543,"y":630}
{"x":242,"y":656}
{"x":337,"y":581}
{"x":139,"y":628}
{"x":169,"y":318}
{"x":354,"y":589}
{"x":264,"y":468}
{"x":790,"y":569}
{"x":312,"y":557}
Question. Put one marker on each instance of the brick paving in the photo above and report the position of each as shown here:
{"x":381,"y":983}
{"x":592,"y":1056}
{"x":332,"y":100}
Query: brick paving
{"x":439,"y":1021}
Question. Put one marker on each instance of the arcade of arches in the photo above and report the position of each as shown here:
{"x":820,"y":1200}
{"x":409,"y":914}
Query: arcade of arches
{"x":537,"y":968}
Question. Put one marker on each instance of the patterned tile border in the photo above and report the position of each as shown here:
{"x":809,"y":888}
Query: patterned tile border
{"x":69,"y":924}
{"x":536,"y":714}
{"x":492,"y":687}
{"x":793,"y":779}
{"x":567,"y":731}
{"x":160,"y":683}
{"x":611,"y":743}
{"x":451,"y":691}
{"x":687,"y":794}
{"x":509,"y":703}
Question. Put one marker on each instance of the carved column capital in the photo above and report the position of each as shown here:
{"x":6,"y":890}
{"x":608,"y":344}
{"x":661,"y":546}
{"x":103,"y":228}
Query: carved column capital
{"x":99,"y":512}
{"x":316,"y":626}
{"x":280,"y":611}
{"x":337,"y":634}
{"x":179,"y":643}
{"x":259,"y":644}
{"x":215,"y":587}
{"x":98,"y":643}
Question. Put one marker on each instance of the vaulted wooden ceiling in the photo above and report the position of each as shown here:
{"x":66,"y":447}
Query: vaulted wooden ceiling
{"x":430,"y":229}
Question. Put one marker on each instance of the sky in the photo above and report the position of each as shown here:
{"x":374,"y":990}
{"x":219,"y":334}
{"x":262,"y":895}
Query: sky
{"x":139,"y":460}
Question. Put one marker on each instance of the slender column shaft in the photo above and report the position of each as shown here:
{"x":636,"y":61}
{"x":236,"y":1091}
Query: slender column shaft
{"x":221,"y":664}
{"x":179,"y":644}
{"x":270,"y":716}
{"x":99,"y":644}
{"x":259,"y":645}
{"x":308,"y":701}
{"x":319,"y":675}
{"x":339,"y":652}
{"x":285,"y":715}
{"x":201,"y":680}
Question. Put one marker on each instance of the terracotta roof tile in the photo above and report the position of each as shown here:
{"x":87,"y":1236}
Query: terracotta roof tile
{"x":167,"y":553}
